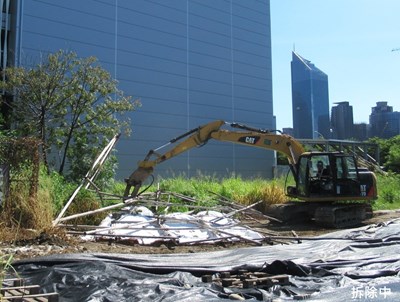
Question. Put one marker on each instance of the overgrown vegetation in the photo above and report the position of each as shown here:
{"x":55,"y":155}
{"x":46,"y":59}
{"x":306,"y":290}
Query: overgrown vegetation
{"x":389,"y":153}
{"x":270,"y":191}
{"x":26,"y":210}
{"x":54,"y":191}
{"x":208,"y":190}
{"x":59,"y":112}
{"x":388,"y":192}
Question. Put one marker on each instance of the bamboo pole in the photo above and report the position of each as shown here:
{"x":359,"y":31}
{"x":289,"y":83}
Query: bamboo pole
{"x":134,"y":236}
{"x":230,"y":234}
{"x":99,"y":161}
{"x":235,"y":212}
{"x":233,"y":204}
{"x":207,"y":240}
{"x":102,"y":158}
{"x":115,"y":206}
{"x":121,"y":227}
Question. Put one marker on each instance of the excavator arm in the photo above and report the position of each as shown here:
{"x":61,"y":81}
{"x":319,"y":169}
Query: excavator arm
{"x":248,"y":136}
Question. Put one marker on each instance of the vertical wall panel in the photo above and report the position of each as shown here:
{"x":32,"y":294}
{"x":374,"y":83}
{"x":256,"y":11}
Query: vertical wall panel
{"x":189,"y":62}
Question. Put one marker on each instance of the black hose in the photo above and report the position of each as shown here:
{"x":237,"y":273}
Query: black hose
{"x":151,"y":183}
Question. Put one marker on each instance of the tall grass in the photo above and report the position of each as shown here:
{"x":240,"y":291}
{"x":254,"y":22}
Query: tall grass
{"x":388,"y":192}
{"x":207,"y":189}
{"x":56,"y":188}
{"x":54,"y":191}
{"x":22,"y":208}
{"x":269,"y":191}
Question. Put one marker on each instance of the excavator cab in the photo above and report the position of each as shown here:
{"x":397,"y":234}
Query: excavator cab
{"x":332,"y":176}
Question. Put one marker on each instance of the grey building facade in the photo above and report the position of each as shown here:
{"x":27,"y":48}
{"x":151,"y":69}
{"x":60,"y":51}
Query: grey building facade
{"x":342,"y":122}
{"x":188,"y":61}
{"x":310,"y":99}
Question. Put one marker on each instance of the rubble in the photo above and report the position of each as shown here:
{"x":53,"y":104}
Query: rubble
{"x":137,"y":223}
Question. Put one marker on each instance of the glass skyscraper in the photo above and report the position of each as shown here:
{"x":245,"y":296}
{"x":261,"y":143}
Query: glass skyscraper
{"x":310,"y":99}
{"x":188,"y":61}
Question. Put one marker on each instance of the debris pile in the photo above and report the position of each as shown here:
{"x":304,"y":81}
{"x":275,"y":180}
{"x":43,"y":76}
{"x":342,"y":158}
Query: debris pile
{"x":139,"y":222}
{"x":138,"y":219}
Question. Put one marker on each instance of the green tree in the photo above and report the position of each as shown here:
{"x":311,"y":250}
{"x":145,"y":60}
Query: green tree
{"x":393,"y":161}
{"x":392,"y":156}
{"x":389,"y":152}
{"x":72,"y":104}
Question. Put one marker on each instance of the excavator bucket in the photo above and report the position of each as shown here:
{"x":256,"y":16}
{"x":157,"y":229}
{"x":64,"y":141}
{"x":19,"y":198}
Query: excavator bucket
{"x":136,"y":180}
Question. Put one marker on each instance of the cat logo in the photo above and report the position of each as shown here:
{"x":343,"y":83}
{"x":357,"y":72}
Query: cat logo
{"x":252,"y":140}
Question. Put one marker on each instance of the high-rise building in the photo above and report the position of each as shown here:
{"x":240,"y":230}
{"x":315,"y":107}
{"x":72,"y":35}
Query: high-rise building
{"x":360,"y":131}
{"x":384,"y":123}
{"x":310,"y":99}
{"x":342,"y":121}
{"x":288,"y":131}
{"x":190,"y":62}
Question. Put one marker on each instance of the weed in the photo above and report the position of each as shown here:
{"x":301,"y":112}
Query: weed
{"x":5,"y":267}
{"x":85,"y":201}
{"x":388,"y":192}
{"x":55,"y":187}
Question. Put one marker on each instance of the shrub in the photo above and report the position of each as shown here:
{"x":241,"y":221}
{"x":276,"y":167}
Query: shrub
{"x":85,"y":201}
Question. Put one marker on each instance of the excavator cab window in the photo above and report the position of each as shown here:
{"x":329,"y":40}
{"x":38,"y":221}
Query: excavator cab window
{"x":314,"y":175}
{"x":320,"y":175}
{"x":321,"y":166}
{"x":346,"y":168}
{"x":347,"y":183}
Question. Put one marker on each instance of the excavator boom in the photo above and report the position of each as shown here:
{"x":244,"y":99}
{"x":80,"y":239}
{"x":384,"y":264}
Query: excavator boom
{"x":199,"y":136}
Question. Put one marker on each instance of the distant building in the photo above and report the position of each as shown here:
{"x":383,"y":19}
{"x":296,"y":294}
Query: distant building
{"x":383,"y":121}
{"x":342,"y":121}
{"x":310,"y":99}
{"x":360,"y":131}
{"x":288,"y":131}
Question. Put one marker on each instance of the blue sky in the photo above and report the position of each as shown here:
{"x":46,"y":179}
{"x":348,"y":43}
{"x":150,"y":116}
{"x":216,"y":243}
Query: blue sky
{"x":350,"y":40}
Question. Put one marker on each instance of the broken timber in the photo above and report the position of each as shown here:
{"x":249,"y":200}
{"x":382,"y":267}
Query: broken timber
{"x":245,"y":279}
{"x":16,"y":291}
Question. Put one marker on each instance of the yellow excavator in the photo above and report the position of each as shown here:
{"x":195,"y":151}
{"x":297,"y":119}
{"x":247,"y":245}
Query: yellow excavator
{"x":334,"y":190}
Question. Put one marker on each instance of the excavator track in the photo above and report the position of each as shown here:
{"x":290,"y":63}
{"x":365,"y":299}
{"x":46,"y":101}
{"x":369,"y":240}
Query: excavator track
{"x":327,"y":215}
{"x":342,"y":216}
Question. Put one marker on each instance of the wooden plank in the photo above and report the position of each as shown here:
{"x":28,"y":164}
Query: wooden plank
{"x":14,"y":290}
{"x":246,"y":279}
{"x":47,"y":297}
{"x":12,"y":282}
{"x":31,"y":289}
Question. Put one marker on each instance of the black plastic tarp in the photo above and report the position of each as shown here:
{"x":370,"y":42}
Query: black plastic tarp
{"x":358,"y":264}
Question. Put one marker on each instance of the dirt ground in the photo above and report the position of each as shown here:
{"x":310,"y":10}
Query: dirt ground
{"x":30,"y":244}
